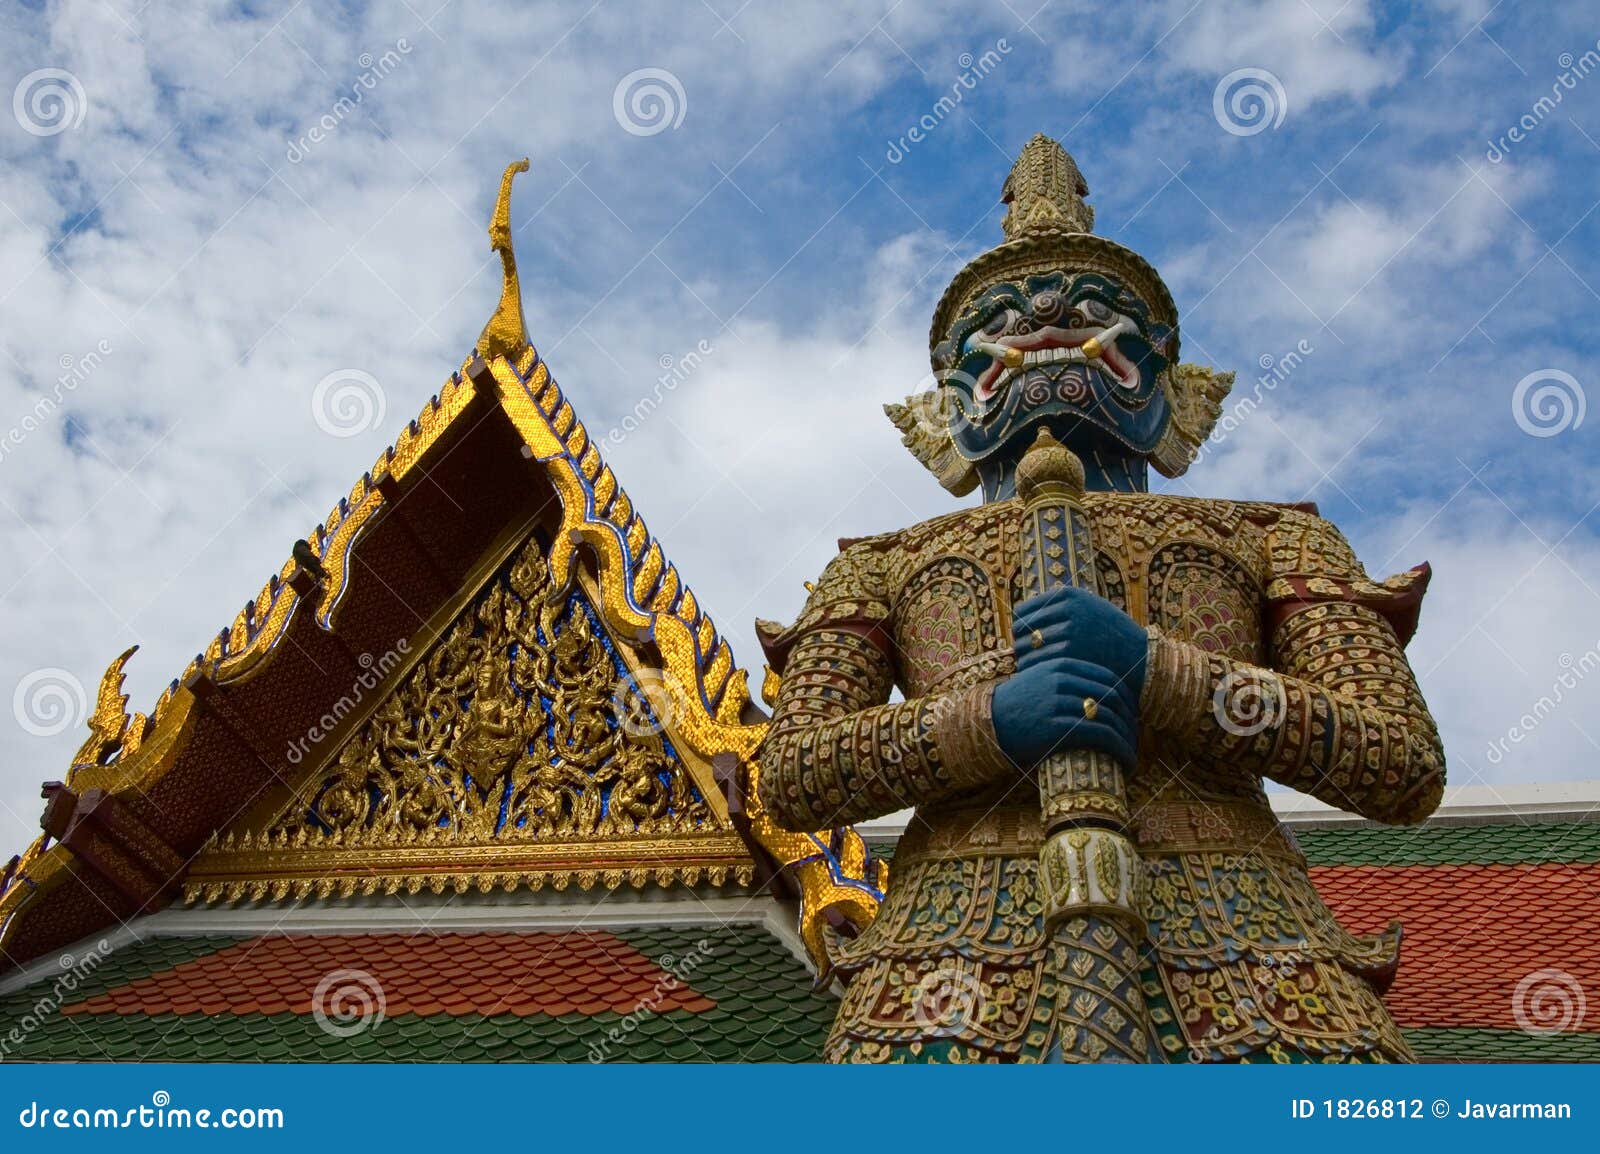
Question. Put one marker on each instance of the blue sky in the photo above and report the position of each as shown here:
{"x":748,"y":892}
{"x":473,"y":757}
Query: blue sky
{"x":169,"y":224}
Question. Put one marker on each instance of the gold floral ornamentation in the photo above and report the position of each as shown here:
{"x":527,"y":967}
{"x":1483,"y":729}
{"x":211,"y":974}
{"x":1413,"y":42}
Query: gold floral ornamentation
{"x":511,"y":734}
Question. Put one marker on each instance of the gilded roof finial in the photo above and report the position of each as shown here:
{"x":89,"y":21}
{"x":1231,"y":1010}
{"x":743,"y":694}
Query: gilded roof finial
{"x":1045,"y":192}
{"x":505,"y":334}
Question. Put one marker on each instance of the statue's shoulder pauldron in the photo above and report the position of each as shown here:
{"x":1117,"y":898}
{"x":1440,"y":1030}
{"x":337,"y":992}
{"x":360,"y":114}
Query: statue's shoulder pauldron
{"x":1310,"y":562}
{"x":861,"y":585}
{"x":851,"y":593}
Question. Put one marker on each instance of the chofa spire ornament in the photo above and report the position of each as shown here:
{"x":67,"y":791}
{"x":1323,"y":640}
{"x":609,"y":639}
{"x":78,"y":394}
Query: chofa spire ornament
{"x":1045,"y":192}
{"x":506,"y":334}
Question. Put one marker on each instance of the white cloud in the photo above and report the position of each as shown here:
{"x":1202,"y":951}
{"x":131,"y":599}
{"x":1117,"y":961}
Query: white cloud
{"x":227,"y":281}
{"x":1511,"y":615}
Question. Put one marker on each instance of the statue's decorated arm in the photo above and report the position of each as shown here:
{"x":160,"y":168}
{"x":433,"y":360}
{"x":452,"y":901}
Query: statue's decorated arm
{"x":1339,"y":716}
{"x":837,"y":751}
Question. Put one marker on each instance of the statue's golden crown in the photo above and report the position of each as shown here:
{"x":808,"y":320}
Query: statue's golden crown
{"x":1047,"y":227}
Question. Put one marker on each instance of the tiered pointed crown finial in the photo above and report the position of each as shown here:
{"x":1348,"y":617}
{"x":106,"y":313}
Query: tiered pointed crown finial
{"x":1049,"y":228}
{"x":1045,"y":192}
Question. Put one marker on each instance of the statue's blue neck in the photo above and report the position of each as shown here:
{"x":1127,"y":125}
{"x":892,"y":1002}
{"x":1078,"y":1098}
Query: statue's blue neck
{"x":1102,"y":473}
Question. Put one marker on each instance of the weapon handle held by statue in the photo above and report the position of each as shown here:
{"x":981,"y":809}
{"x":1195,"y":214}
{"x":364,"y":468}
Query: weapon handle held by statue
{"x":1089,"y":870}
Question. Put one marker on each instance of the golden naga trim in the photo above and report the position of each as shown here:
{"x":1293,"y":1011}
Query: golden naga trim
{"x":642,"y":596}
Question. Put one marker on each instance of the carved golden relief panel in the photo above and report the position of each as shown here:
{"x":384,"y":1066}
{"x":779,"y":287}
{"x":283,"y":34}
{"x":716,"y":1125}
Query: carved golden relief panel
{"x":520,"y":747}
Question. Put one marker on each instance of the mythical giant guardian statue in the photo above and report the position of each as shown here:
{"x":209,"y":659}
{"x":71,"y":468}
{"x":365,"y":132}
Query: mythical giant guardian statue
{"x":1097,"y":681}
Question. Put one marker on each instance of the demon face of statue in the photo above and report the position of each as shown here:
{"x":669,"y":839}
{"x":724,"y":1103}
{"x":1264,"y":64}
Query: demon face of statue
{"x":1079,"y":353}
{"x":1062,"y":329}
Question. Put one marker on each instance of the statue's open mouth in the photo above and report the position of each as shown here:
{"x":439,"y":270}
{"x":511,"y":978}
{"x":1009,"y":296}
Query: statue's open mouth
{"x":1050,"y":349}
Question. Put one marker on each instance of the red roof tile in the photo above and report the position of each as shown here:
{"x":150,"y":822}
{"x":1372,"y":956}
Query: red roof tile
{"x":1475,"y":934}
{"x":423,"y":974}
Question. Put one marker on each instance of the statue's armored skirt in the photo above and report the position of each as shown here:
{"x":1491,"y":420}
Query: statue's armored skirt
{"x":1272,"y":655}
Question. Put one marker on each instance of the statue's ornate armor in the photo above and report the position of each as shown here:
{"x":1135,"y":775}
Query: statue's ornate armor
{"x":1272,"y":655}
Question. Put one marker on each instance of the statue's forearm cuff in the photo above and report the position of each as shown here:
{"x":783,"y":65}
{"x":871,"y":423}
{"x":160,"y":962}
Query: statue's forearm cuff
{"x":963,"y":733}
{"x":1177,"y":684}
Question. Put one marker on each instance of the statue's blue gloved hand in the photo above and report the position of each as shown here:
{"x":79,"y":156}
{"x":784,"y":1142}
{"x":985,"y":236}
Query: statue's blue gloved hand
{"x":1071,"y":622}
{"x":1040,"y":709}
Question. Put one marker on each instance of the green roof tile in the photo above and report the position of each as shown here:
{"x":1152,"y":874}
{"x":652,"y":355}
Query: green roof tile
{"x":1477,"y":1045}
{"x":765,"y":1010}
{"x":1503,"y":843}
{"x":1507,"y":842}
